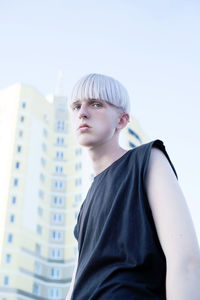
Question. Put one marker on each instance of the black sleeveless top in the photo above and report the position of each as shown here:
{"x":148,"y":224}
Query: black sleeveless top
{"x":120,"y":256}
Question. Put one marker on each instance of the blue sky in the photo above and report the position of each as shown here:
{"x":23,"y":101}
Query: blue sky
{"x":152,"y":47}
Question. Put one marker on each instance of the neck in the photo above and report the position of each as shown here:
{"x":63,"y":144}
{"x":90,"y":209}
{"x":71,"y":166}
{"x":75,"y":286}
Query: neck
{"x":102,"y":156}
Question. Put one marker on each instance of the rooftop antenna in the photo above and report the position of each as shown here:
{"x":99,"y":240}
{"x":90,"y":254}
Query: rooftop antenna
{"x":59,"y":85}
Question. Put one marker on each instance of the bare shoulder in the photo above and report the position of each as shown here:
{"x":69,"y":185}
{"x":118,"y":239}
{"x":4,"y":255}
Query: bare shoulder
{"x":157,"y":156}
{"x":169,"y":209}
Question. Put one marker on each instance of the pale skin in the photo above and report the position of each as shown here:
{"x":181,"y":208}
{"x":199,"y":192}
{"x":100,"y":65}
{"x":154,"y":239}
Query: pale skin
{"x":171,"y":216}
{"x":101,"y":140}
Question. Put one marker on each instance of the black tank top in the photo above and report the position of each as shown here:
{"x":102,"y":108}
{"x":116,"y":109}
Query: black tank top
{"x":120,"y":256}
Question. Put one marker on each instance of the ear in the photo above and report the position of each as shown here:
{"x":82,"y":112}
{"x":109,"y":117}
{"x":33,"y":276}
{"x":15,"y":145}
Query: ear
{"x":123,"y":121}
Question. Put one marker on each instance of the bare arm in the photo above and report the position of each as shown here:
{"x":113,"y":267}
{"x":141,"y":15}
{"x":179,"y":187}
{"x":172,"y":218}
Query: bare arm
{"x":72,"y":282}
{"x":175,"y":229}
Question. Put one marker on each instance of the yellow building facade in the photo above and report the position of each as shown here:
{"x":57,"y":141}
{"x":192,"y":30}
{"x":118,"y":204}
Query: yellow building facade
{"x":44,"y":178}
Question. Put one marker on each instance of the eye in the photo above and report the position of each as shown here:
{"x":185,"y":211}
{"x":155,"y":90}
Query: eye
{"x":76,"y":107}
{"x":97,"y":104}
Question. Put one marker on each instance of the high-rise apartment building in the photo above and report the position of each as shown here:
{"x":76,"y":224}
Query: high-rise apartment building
{"x":43,"y":181}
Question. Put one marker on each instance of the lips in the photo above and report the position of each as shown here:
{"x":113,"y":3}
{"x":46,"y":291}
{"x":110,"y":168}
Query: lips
{"x":84,"y":126}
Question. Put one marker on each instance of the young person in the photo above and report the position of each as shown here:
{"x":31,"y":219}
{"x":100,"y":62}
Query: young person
{"x":135,"y":236}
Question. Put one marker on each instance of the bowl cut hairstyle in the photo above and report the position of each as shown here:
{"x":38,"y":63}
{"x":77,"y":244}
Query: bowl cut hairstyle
{"x":101,"y":87}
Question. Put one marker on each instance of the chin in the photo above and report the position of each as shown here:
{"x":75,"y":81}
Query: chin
{"x":87,"y":143}
{"x":84,"y":142}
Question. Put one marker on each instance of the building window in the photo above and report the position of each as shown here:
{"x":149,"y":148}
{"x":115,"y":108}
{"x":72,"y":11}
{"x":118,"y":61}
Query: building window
{"x":39,"y":229}
{"x":78,"y":151}
{"x":54,"y":293}
{"x":22,"y":119}
{"x":12,"y":219}
{"x":10,"y":238}
{"x":20,"y":133}
{"x":55,"y":273}
{"x":6,"y":281}
{"x":17,"y":165}
{"x":13,"y":200}
{"x":45,"y":132}
{"x":42,"y":178}
{"x":44,"y":147}
{"x":55,"y":200}
{"x":37,"y":268}
{"x":36,"y":290}
{"x":78,"y":181}
{"x":19,"y":148}
{"x":59,"y":155}
{"x":57,"y":218}
{"x":59,"y":169}
{"x":56,"y":253}
{"x":40,"y":211}
{"x":134,"y":134}
{"x":58,"y":201}
{"x":37,"y":248}
{"x":43,"y":162}
{"x":78,"y":166}
{"x":23,"y":104}
{"x":78,"y":198}
{"x":8,"y":258}
{"x":58,"y":184}
{"x":41,"y":194}
{"x":60,"y":141}
{"x":57,"y":235}
{"x":131,"y":145}
{"x":60,"y":126}
{"x":15,"y":182}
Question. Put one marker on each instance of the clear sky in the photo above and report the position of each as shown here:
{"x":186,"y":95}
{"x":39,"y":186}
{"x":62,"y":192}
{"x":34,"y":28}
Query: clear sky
{"x":152,"y":47}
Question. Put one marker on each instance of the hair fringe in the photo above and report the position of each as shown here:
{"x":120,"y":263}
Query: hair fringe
{"x":101,"y":87}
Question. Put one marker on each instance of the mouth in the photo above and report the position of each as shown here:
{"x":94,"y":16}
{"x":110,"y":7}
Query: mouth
{"x":84,"y":127}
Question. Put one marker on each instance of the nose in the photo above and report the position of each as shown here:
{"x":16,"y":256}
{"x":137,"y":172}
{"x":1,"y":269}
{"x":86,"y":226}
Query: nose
{"x":83,"y":112}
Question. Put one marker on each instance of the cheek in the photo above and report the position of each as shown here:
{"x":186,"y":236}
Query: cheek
{"x":107,"y":124}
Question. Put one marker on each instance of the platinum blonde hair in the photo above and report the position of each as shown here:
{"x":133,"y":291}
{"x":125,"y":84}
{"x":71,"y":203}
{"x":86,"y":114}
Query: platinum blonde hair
{"x":101,"y":87}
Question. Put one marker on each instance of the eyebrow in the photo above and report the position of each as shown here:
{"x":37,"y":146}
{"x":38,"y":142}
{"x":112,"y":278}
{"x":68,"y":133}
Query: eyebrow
{"x":75,"y":102}
{"x":89,"y":100}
